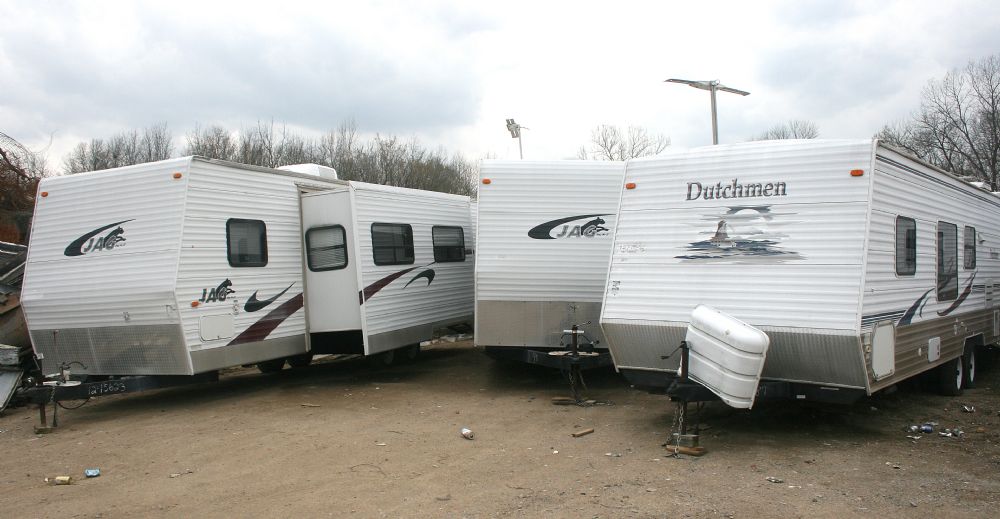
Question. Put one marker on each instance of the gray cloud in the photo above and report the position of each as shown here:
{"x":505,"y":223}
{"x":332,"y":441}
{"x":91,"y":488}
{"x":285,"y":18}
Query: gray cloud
{"x":184,"y":73}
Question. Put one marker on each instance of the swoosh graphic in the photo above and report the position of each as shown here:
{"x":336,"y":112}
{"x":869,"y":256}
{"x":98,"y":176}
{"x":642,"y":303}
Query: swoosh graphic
{"x":908,"y":316}
{"x":259,"y":330}
{"x":961,"y":298}
{"x":373,"y":288}
{"x":429,"y":274}
{"x":541,"y":231}
{"x":253,"y":304}
{"x":73,"y":249}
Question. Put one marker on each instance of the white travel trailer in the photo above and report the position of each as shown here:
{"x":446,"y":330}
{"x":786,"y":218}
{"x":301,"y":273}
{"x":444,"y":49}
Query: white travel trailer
{"x":386,"y":267}
{"x":864,"y":266}
{"x":189,"y":265}
{"x":543,"y":246}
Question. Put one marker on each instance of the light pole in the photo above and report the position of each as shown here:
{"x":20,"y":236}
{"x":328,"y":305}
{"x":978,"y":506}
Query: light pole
{"x":515,"y":133}
{"x":712,"y":86}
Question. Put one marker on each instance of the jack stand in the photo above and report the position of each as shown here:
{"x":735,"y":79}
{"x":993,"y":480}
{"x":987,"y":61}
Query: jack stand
{"x":680,"y":441}
{"x":44,"y":427}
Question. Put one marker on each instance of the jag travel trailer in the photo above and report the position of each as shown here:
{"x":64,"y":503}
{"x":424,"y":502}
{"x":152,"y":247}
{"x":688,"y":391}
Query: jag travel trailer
{"x":863,"y":265}
{"x":186,"y":266}
{"x":543,"y":246}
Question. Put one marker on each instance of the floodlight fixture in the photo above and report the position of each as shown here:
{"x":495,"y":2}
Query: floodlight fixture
{"x":515,"y":133}
{"x":712,"y":86}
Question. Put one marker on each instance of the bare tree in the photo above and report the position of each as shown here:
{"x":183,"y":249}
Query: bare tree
{"x":794,"y":129}
{"x":124,"y":149}
{"x":20,"y":170}
{"x":958,"y":124}
{"x":608,"y":142}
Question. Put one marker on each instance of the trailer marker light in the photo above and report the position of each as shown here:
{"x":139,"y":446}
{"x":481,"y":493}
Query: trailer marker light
{"x":487,"y":181}
{"x":857,"y":172}
{"x":177,"y":175}
{"x":194,"y":304}
{"x":630,"y":185}
{"x":45,"y":194}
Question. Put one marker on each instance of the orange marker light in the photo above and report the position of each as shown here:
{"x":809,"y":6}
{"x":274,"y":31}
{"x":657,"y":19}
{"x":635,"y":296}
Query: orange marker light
{"x":45,"y":194}
{"x":194,"y":304}
{"x":487,"y":181}
{"x":857,"y":172}
{"x":630,"y":185}
{"x":178,"y":175}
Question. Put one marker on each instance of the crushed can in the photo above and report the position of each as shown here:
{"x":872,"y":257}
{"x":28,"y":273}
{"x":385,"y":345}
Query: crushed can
{"x":92,"y":473}
{"x":927,"y":428}
{"x":60,"y":480}
{"x":467,"y":433}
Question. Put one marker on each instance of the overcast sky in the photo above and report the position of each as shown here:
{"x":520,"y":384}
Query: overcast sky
{"x":449,"y":73}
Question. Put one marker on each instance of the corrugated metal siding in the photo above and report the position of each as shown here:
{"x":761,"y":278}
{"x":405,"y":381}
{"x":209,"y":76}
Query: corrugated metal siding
{"x":450,"y":295}
{"x":904,"y":187}
{"x":137,"y":276}
{"x":808,"y":278}
{"x":114,"y":309}
{"x":513,"y":267}
{"x":218,"y":192}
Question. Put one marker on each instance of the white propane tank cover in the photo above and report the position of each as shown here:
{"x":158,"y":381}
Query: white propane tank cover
{"x":312,"y":169}
{"x":726,"y":355}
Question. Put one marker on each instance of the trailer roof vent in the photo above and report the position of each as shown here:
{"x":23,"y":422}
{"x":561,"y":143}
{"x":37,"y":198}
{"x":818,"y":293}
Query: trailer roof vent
{"x":315,"y":170}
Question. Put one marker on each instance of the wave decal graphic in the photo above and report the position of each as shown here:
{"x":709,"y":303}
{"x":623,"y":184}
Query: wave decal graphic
{"x":372,"y":289}
{"x":961,"y":298}
{"x":428,"y":274}
{"x":259,"y":330}
{"x":253,"y":304}
{"x":910,"y":312}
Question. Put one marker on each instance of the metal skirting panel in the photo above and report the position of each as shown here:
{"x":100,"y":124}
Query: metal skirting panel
{"x":794,"y":355}
{"x":247,"y":353}
{"x":398,"y":338}
{"x":911,"y":343}
{"x":534,"y":323}
{"x":115,"y":350}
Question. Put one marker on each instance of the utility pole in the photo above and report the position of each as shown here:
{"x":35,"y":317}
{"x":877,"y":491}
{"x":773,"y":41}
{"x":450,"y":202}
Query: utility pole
{"x":712,"y":86}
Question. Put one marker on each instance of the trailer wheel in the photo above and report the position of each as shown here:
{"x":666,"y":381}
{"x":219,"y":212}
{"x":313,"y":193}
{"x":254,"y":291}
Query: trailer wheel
{"x":412,"y":352}
{"x":271,"y":366}
{"x":969,"y":367}
{"x":950,"y":377}
{"x":300,"y":361}
{"x":382,"y":360}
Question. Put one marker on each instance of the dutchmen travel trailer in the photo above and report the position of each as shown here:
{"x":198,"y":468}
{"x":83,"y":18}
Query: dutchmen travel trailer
{"x":543,"y":247}
{"x":190,"y":265}
{"x":863,"y":266}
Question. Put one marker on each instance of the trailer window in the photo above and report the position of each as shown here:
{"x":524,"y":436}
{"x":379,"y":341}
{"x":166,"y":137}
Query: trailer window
{"x":326,"y":248}
{"x":449,"y":243}
{"x":246,"y":242}
{"x":969,"y":252}
{"x":392,"y":243}
{"x":906,"y":246}
{"x":947,"y":261}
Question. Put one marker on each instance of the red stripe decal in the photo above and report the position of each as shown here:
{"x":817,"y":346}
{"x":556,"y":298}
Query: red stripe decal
{"x":259,"y":330}
{"x":373,"y":288}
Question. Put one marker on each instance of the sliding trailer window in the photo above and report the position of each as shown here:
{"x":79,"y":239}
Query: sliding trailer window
{"x":246,"y":242}
{"x":392,"y":243}
{"x":326,"y":248}
{"x":449,"y":244}
{"x":969,"y":252}
{"x":947,"y":261}
{"x":906,"y":246}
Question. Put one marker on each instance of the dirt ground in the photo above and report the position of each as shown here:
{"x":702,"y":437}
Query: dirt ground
{"x":386,"y":443}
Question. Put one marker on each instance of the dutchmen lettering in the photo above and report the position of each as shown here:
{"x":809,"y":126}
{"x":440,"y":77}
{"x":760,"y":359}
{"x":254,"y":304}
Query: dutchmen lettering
{"x":696,"y":190}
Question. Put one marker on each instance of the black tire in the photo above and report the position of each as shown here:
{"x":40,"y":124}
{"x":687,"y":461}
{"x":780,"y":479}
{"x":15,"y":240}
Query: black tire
{"x":950,"y":377}
{"x":300,"y":361}
{"x":411,"y":352}
{"x":382,"y":360}
{"x":969,"y":367}
{"x":271,"y":366}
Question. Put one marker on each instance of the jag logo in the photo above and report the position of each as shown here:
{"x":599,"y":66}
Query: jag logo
{"x":582,"y":226}
{"x":92,"y":242}
{"x":218,"y":293}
